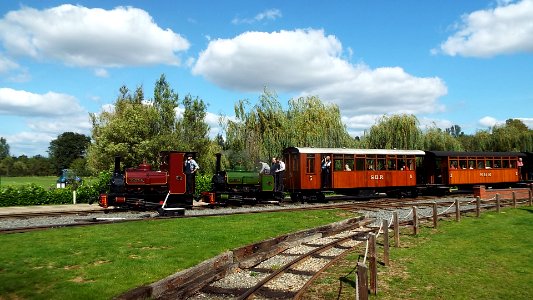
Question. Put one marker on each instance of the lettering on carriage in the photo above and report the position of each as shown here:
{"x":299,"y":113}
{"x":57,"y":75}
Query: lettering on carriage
{"x":376,"y":177}
{"x":485,"y":174}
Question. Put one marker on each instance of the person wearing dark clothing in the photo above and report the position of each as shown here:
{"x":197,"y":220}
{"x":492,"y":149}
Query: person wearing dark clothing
{"x":273,"y":170}
{"x":326,"y":172}
{"x":280,"y":174}
{"x":190,"y":173}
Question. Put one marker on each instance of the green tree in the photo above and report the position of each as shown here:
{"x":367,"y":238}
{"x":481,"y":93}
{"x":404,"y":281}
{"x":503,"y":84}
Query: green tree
{"x":194,"y":132}
{"x":512,"y":136}
{"x":394,"y":132}
{"x":455,"y":131}
{"x":262,"y":131}
{"x":4,"y":148}
{"x":68,"y":147}
{"x":138,"y":129}
{"x":437,"y":140}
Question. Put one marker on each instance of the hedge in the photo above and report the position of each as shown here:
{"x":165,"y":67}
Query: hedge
{"x":32,"y":194}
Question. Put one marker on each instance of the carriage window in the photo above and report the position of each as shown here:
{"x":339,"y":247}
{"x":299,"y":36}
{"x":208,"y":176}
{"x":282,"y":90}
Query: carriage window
{"x":381,"y":163}
{"x":310,"y":163}
{"x":348,"y":163}
{"x":370,"y":164}
{"x":462,"y":163}
{"x":497,"y":163}
{"x":471,"y":164}
{"x":481,"y":164}
{"x":359,"y":164}
{"x":391,"y":163}
{"x":505,"y":163}
{"x":488,"y":164}
{"x":410,"y":164}
{"x":338,"y":164}
{"x":454,"y":164}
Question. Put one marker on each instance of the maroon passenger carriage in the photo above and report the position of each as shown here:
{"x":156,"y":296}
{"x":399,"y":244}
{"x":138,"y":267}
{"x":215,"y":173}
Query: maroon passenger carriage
{"x":352,"y":170}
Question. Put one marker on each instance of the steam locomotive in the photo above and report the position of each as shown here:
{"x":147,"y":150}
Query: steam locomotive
{"x":144,"y":188}
{"x":239,"y":186}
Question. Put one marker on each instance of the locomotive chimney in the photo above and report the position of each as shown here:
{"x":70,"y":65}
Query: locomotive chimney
{"x":117,"y":164}
{"x":218,"y":165}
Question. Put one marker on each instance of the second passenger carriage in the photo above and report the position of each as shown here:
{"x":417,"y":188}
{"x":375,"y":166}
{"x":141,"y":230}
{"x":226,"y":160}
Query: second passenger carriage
{"x":351,"y":170}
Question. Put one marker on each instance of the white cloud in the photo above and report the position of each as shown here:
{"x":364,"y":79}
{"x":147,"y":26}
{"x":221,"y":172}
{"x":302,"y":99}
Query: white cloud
{"x":527,"y":121}
{"x":310,"y":63}
{"x":51,"y":104}
{"x":269,"y":14}
{"x":29,"y":143}
{"x":439,"y":123}
{"x":488,"y":122}
{"x":505,"y":29}
{"x":7,"y":64}
{"x":101,"y":72}
{"x":90,"y":37}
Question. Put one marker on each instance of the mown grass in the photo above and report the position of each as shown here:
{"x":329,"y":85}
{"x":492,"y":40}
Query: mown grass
{"x":103,"y":261}
{"x":477,"y":258}
{"x":42,"y":181}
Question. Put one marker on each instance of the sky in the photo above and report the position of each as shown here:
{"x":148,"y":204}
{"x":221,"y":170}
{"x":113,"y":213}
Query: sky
{"x":466,"y":63}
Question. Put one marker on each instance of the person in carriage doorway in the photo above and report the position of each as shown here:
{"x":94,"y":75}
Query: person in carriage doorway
{"x":326,"y":172}
{"x":273,"y":170}
{"x":190,"y":174}
{"x":280,"y":174}
{"x":520,"y":165}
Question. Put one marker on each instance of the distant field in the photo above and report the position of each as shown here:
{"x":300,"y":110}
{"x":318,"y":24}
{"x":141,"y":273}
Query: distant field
{"x":43,"y":181}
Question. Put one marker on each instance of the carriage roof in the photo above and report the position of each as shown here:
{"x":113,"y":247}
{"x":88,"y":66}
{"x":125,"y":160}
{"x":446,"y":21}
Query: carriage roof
{"x":311,"y":150}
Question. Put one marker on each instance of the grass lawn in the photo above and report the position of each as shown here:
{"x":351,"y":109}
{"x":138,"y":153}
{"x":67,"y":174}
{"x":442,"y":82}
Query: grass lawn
{"x":42,"y":181}
{"x":103,"y":261}
{"x":477,"y":258}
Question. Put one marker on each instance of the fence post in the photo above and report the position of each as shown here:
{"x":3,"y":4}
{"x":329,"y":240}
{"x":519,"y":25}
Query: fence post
{"x":530,"y":198}
{"x":478,"y":206}
{"x":74,"y":196}
{"x":514,"y":200}
{"x":457,"y":211}
{"x":362,"y":281}
{"x":435,"y":215}
{"x":372,"y":262}
{"x":415,"y":221}
{"x":386,"y":242}
{"x":396,"y":226}
{"x":497,"y":202}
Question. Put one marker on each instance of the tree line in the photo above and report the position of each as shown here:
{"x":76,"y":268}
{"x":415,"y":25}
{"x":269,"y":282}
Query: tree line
{"x":139,"y":127}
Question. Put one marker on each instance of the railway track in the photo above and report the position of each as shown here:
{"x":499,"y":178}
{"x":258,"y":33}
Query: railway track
{"x":287,"y":274}
{"x":33,"y":221}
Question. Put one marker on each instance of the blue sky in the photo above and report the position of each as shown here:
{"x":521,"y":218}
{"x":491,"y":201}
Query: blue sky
{"x":468,"y":63}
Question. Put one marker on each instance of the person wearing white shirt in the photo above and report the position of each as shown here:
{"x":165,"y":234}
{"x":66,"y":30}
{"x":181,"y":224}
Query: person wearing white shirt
{"x":280,"y":174}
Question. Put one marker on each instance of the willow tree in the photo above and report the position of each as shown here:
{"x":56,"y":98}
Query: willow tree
{"x":258,"y":132}
{"x":315,"y":124}
{"x":262,"y":131}
{"x":435,"y":139}
{"x":136,"y":129}
{"x":512,"y":136}
{"x":394,"y":132}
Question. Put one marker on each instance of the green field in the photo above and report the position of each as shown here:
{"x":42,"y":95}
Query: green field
{"x":490,"y":257}
{"x":102,"y":261}
{"x":42,"y":181}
